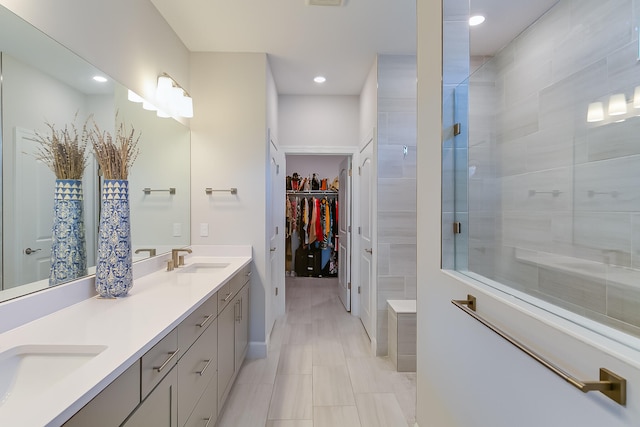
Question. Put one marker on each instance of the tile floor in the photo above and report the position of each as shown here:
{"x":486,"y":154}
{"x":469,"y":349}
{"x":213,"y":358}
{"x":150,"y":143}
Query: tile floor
{"x":320,"y":371}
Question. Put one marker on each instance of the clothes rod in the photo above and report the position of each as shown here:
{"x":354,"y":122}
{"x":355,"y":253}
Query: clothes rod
{"x":148,"y":190}
{"x":231,"y":190}
{"x":610,"y":384}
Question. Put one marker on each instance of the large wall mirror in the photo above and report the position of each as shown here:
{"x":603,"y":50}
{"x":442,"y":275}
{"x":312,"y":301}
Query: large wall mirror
{"x":43,"y":82}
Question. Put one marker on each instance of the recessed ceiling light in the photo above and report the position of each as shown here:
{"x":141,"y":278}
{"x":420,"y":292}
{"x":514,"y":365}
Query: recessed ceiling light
{"x":319,"y":79}
{"x":476,"y":20}
{"x":100,"y":79}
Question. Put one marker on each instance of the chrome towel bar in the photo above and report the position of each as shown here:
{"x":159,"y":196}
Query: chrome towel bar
{"x":610,"y":384}
{"x":148,"y":190}
{"x":231,"y":190}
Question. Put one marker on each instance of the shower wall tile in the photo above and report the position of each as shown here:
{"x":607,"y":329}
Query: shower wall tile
{"x":455,"y":51}
{"x":384,"y":258}
{"x":398,"y":105}
{"x":390,"y":161}
{"x":402,"y":259}
{"x":550,"y":148}
{"x":396,"y":195}
{"x":524,"y":79}
{"x":608,"y":185}
{"x":510,"y":158}
{"x":635,"y":241}
{"x":510,"y":271}
{"x":389,"y":287}
{"x":527,"y":230}
{"x":402,"y":128}
{"x":623,"y":68}
{"x":598,"y":28}
{"x":614,"y":140}
{"x":410,"y":287}
{"x":623,"y":303}
{"x":565,"y":103}
{"x":399,"y":74}
{"x":608,"y":232}
{"x":578,"y":290}
{"x":397,"y":227}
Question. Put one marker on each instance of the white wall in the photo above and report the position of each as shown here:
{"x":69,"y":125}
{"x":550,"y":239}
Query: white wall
{"x":229,"y":149}
{"x":318,"y":121}
{"x":127,"y":39}
{"x":369,"y":103}
{"x":326,"y":166}
{"x":467,"y":376}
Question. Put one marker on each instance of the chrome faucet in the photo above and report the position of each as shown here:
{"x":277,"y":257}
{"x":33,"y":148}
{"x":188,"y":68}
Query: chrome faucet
{"x":152,"y":252}
{"x":174,"y":255}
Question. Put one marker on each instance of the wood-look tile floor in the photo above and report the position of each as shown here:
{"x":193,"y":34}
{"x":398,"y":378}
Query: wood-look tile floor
{"x":320,"y":371}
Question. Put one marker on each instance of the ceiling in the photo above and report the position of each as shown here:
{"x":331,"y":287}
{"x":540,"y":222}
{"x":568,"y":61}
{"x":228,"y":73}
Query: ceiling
{"x":338,"y":42}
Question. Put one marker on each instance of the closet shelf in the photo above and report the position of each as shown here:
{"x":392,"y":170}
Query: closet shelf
{"x":313,"y":192}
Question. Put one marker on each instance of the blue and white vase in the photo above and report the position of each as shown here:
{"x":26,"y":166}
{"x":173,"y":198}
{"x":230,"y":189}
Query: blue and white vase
{"x":114,"y":276}
{"x":69,"y":248}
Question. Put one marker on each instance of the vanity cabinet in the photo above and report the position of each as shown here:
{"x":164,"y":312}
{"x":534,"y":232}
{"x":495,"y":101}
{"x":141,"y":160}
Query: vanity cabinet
{"x":160,"y":408}
{"x":233,"y":331}
{"x":184,"y":379}
{"x":114,"y":404}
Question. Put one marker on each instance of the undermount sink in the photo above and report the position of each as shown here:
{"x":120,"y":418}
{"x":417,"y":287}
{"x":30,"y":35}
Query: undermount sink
{"x":28,"y":370}
{"x":203,"y":267}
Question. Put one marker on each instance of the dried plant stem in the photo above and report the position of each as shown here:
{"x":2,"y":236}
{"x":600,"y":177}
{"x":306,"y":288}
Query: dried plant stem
{"x":115,"y":157}
{"x":64,"y":151}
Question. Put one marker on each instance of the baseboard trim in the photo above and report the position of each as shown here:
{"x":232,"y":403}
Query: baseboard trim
{"x":257,"y":350}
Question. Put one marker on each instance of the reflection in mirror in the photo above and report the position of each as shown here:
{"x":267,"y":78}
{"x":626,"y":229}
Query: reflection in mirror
{"x":43,"y":82}
{"x":159,"y":182}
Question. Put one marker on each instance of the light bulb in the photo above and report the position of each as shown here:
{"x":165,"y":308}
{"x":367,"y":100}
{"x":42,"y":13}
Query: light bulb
{"x":617,"y":104}
{"x":595,"y":113}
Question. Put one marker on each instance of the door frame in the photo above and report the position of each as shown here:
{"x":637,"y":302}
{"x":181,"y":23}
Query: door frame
{"x":354,"y":153}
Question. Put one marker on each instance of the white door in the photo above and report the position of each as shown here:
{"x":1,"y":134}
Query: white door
{"x":276,"y":230}
{"x":33,"y":214}
{"x":367,"y":301}
{"x":344,"y":233}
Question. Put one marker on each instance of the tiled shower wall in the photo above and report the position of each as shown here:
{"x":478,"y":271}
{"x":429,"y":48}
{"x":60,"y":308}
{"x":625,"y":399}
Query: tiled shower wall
{"x":396,"y":185}
{"x":543,"y":182}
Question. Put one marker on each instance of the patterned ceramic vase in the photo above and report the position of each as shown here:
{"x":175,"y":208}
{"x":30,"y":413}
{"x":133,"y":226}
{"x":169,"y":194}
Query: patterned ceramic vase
{"x":69,"y":248}
{"x":114,"y":276}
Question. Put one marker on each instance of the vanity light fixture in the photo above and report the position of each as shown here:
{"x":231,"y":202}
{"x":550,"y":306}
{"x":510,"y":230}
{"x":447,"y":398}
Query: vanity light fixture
{"x":100,"y":79}
{"x":319,"y":79}
{"x":595,"y":113}
{"x":476,"y":20}
{"x":172,"y":99}
{"x":617,"y":104}
{"x":134,"y":97}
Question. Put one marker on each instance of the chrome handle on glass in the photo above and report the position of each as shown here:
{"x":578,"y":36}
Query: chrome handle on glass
{"x":205,"y":321}
{"x":205,"y":367}
{"x":172,"y":354}
{"x":30,"y":251}
{"x":370,"y":251}
{"x":227,"y":297}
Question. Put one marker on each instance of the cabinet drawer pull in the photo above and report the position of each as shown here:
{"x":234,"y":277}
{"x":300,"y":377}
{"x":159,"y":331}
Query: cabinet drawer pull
{"x":249,"y":274}
{"x":208,"y":420}
{"x":172,"y":354}
{"x":227,"y":297}
{"x":201,"y":373}
{"x":238,"y":312}
{"x":205,"y":321}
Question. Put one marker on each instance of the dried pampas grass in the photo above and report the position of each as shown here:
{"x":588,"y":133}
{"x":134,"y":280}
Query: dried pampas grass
{"x":64,"y":151}
{"x":115,"y":157}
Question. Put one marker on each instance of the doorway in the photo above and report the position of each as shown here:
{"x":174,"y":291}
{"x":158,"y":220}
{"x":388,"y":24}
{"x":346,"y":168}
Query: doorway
{"x":318,"y":226}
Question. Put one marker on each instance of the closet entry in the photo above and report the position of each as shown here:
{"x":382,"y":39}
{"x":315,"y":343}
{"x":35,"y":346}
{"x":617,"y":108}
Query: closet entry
{"x":313,"y":209}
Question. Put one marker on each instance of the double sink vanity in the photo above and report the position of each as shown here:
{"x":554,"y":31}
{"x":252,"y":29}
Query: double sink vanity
{"x":165,"y":355}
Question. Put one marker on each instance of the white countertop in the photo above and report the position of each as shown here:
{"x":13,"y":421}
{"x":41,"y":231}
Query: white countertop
{"x":128,"y":327}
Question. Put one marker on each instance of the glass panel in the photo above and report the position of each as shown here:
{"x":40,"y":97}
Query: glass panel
{"x":552,"y":163}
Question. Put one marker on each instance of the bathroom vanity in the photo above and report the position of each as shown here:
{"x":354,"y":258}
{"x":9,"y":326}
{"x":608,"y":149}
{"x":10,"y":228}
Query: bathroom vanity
{"x":166,"y":355}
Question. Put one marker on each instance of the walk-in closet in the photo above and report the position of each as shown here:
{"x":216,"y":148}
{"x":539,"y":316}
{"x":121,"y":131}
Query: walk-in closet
{"x":313,"y":209}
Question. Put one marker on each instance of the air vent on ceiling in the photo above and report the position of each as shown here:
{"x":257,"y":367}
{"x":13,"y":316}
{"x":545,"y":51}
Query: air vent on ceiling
{"x":325,"y":2}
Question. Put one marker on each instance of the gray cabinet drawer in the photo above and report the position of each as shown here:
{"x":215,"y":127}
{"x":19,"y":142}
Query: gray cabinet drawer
{"x":195,"y":370}
{"x":114,"y":404}
{"x":160,"y":408}
{"x":194,"y":325}
{"x":158,"y":361}
{"x":224,"y":296}
{"x":239,"y":280}
{"x":206,"y":411}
